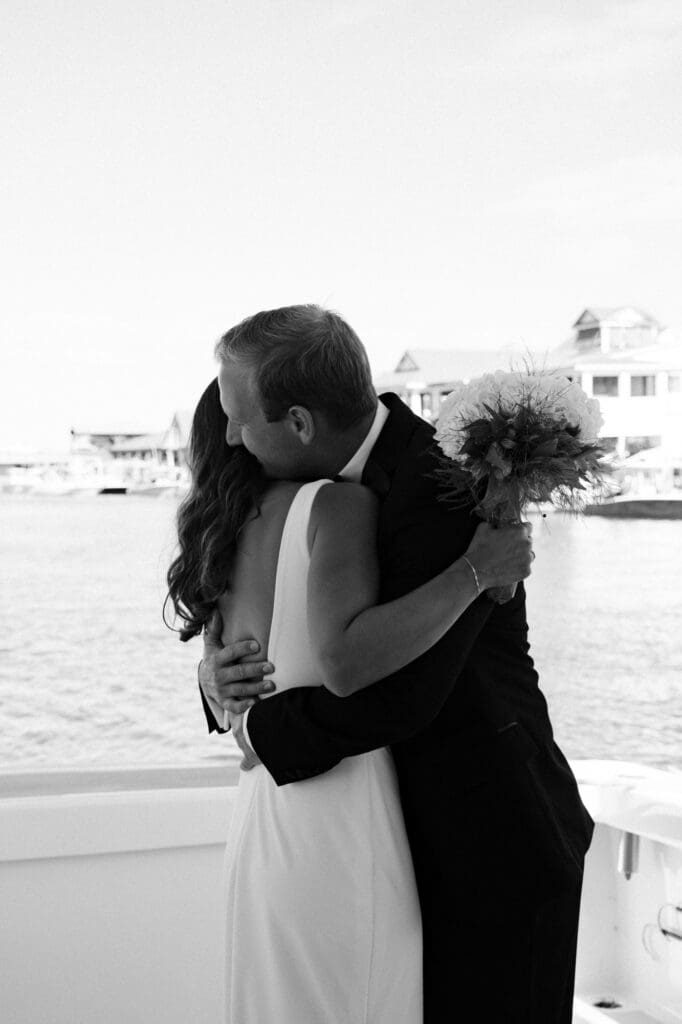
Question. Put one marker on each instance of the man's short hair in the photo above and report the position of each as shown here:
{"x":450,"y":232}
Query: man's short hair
{"x":304,"y":355}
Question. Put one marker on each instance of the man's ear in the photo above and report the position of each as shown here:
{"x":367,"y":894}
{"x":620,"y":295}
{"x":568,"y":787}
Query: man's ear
{"x":302,"y":423}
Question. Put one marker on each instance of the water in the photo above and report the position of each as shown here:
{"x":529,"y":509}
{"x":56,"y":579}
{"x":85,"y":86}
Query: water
{"x":89,"y":675}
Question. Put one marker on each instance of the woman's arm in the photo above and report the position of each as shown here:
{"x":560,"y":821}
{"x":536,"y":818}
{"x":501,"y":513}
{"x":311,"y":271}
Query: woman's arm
{"x":355,"y":640}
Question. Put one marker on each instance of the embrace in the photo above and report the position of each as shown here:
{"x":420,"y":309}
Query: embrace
{"x":408,"y":841}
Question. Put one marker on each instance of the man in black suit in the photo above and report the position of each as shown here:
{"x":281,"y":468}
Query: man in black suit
{"x":496,"y":826}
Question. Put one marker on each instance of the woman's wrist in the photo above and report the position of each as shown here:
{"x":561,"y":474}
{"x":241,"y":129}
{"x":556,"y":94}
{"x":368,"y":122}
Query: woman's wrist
{"x":465,"y":577}
{"x":484,"y":576}
{"x":470,"y":565}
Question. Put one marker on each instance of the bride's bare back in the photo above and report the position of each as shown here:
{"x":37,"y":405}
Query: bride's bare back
{"x":246,"y":607}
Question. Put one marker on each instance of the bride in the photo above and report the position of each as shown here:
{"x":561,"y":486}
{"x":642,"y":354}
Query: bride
{"x":323,"y":922}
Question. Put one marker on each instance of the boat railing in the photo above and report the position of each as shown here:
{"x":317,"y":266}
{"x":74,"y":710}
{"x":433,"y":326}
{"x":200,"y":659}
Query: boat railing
{"x":111,"y":895}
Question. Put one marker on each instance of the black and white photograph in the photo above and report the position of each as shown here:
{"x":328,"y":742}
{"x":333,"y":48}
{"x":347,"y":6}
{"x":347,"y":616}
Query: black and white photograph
{"x":341,"y":512}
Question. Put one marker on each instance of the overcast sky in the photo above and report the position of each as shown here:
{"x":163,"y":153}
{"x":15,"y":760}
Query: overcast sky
{"x":464,"y":173}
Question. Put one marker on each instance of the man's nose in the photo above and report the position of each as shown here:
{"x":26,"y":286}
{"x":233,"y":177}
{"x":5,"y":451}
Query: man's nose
{"x":233,"y":435}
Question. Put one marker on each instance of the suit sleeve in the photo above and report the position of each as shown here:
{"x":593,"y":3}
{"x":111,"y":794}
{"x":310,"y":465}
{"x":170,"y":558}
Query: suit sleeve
{"x":214,"y":714}
{"x":306,"y":731}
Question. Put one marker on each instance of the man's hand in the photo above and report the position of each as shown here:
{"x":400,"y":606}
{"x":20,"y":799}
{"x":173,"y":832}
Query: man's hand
{"x":250,"y":758}
{"x":233,"y":684}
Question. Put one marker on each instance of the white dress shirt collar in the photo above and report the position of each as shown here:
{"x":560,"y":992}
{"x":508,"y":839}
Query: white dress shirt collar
{"x":354,"y":469}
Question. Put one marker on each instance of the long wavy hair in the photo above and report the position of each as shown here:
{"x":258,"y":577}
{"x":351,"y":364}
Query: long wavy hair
{"x":225,"y":491}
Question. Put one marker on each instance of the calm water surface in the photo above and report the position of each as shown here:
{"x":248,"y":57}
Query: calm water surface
{"x":89,"y":675}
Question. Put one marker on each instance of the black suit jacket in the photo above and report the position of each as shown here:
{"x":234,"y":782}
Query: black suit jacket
{"x":485,"y":789}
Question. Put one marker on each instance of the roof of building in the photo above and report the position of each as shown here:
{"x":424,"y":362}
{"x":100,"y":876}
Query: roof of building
{"x":141,"y":443}
{"x":625,"y":315}
{"x":175,"y":436}
{"x":443,"y":366}
{"x":433,"y":367}
{"x":182,"y":422}
{"x":109,"y":430}
{"x":184,"y":418}
{"x":653,"y":458}
{"x":664,"y":354}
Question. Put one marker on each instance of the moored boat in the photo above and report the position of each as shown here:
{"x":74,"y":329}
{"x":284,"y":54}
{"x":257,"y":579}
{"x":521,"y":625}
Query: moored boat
{"x":159,"y":489}
{"x":170,"y":484}
{"x":639,"y":506}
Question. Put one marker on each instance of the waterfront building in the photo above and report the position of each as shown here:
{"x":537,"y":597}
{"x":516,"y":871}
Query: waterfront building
{"x":423,"y":377}
{"x":165,"y":448}
{"x":112,"y":458}
{"x":103,"y":437}
{"x":146,"y":447}
{"x":627,"y":360}
{"x":621,"y":356}
{"x":175,"y":438}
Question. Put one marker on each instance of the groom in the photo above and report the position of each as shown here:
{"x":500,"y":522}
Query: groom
{"x":496,"y":827}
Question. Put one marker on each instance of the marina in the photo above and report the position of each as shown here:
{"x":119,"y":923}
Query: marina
{"x":621,"y":357}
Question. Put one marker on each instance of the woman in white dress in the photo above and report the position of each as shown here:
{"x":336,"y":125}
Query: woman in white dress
{"x":323,"y":923}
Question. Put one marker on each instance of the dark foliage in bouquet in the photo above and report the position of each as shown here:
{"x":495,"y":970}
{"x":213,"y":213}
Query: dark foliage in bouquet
{"x":512,"y":440}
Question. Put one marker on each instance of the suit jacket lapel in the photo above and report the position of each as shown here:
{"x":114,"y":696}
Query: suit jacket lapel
{"x":391,"y":443}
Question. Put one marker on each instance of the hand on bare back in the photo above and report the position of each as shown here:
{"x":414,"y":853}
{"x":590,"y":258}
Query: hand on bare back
{"x":234,"y":684}
{"x":501,"y":555}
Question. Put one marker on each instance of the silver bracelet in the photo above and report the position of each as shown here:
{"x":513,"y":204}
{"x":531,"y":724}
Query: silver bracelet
{"x":478,"y":585}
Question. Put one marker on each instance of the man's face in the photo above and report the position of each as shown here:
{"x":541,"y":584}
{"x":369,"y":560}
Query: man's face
{"x":273,"y":444}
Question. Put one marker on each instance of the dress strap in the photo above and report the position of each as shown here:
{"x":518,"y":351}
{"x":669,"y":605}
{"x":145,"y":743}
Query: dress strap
{"x":300,"y":511}
{"x":293,"y":562}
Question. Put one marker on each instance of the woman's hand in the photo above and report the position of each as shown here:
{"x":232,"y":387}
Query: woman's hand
{"x":224,"y":677}
{"x":501,"y":555}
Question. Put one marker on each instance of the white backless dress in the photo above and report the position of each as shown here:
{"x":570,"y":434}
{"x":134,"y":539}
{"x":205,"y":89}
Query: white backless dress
{"x":323,"y":922}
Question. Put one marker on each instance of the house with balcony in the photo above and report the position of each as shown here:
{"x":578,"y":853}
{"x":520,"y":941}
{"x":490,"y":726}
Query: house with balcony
{"x":622,"y":356}
{"x":633,"y":365}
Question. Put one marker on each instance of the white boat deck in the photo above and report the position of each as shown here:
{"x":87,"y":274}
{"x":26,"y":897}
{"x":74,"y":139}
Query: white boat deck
{"x":110,"y":888}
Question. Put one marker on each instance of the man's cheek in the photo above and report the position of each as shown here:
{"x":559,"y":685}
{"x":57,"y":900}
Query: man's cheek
{"x":256,"y":449}
{"x":247,"y":441}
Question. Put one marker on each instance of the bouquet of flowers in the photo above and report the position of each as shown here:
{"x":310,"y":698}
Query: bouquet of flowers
{"x":516,"y":439}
